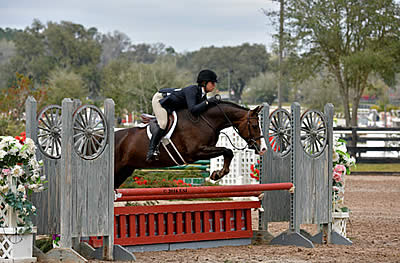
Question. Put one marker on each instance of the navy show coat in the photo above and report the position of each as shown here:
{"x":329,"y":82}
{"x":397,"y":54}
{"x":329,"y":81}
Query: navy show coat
{"x":190,"y":97}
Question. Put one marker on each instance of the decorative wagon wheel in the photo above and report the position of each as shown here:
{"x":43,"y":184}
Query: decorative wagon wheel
{"x":90,"y":132}
{"x":280,"y":128}
{"x":313,"y":132}
{"x":49,"y":131}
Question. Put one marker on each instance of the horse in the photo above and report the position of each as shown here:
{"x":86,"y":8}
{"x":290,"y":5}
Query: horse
{"x":195,"y":138}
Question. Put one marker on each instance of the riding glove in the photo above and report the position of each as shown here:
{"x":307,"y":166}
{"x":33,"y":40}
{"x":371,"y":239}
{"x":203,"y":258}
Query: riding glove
{"x":213,"y":100}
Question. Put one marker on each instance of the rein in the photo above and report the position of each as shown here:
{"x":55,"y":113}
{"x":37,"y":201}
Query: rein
{"x":251,"y":141}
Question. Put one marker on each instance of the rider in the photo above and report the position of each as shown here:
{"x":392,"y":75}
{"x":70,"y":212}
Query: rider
{"x":167,"y":100}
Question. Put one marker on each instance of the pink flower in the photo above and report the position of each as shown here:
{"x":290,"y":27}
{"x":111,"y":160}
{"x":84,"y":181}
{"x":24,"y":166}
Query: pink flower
{"x":337,"y":177}
{"x":340,"y":168}
{"x":6,"y":171}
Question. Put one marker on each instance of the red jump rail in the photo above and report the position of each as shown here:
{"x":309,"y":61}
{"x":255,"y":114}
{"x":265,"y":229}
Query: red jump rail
{"x":184,"y":196}
{"x":191,"y":192}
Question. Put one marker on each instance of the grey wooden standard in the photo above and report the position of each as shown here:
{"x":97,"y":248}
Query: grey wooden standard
{"x":308,"y":168}
{"x":79,"y":199}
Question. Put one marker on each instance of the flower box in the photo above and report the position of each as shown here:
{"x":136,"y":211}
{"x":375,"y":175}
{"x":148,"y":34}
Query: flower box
{"x":339,"y":221}
{"x":16,"y":247}
{"x":19,"y":177}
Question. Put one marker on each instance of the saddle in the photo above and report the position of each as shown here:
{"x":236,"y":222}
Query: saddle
{"x":150,"y":121}
{"x":166,"y":142}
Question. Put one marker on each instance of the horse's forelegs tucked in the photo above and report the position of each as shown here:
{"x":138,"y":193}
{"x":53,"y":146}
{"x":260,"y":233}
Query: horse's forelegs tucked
{"x":212,"y":152}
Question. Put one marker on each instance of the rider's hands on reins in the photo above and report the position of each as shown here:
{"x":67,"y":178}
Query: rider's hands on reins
{"x":215,"y":100}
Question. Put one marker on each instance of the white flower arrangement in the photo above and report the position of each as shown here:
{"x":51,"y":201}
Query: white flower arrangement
{"x":19,"y":177}
{"x":342,"y":161}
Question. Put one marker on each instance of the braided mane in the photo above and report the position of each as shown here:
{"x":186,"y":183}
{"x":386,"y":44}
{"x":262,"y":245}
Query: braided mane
{"x":233,"y":104}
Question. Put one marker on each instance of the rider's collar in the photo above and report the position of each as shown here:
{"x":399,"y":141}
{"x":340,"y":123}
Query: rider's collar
{"x":203,"y":91}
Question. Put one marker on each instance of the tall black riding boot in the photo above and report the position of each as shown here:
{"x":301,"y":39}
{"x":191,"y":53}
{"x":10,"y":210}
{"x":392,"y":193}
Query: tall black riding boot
{"x":153,"y":152}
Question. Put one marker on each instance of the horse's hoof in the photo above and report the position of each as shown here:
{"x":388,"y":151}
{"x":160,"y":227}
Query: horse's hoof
{"x":212,"y":177}
{"x":216,"y":176}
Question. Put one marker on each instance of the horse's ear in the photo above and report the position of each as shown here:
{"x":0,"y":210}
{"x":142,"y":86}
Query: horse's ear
{"x":258,"y":109}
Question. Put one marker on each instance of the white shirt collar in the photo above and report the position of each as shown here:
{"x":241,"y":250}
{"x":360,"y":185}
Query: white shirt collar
{"x":203,"y":91}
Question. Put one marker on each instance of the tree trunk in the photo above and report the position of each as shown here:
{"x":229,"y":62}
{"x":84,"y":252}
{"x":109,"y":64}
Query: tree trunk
{"x":354,"y":111}
{"x":346,"y":105}
{"x":356,"y":100}
{"x":344,"y":93}
{"x":281,"y":23}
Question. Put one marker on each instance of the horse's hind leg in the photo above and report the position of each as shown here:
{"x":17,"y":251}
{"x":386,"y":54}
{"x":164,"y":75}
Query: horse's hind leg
{"x":212,"y":152}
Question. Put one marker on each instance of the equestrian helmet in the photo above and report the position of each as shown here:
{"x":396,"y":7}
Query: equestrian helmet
{"x":207,"y":75}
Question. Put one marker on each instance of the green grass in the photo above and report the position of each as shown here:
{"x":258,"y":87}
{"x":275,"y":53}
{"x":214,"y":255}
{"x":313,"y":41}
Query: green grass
{"x":372,"y":167}
{"x":158,"y":178}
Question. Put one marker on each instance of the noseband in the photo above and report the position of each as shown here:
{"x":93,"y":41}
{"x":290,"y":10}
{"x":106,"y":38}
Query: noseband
{"x":251,"y":141}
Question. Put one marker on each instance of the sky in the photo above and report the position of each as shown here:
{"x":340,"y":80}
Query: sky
{"x":186,"y":25}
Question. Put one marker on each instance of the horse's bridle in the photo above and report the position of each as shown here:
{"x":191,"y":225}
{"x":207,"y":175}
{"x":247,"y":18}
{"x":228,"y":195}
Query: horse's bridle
{"x":251,"y":142}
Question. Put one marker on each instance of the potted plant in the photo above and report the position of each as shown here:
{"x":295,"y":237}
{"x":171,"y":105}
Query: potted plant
{"x":342,"y":161}
{"x":19,"y":177}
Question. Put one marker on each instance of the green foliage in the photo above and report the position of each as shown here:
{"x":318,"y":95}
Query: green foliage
{"x":262,"y":88}
{"x":132,"y":85}
{"x":19,"y":177}
{"x":22,"y":206}
{"x":376,"y":87}
{"x":12,"y":104}
{"x":7,"y":50}
{"x":65,"y":84}
{"x":41,"y":48}
{"x":286,"y":82}
{"x":235,"y":66}
{"x":71,"y":44}
{"x":166,"y":178}
{"x":74,"y":46}
{"x":44,"y":244}
{"x":109,"y":66}
{"x":158,"y":178}
{"x":10,"y":127}
{"x":8,"y":33}
{"x":352,"y":39}
{"x":382,"y":167}
{"x":146,"y":53}
{"x":113,"y":46}
{"x":317,"y":91}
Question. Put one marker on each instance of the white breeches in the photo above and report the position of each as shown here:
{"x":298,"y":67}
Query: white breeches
{"x":160,"y":113}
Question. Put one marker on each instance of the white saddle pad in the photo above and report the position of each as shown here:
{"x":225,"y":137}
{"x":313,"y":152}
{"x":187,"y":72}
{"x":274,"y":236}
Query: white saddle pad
{"x":170,"y":132}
